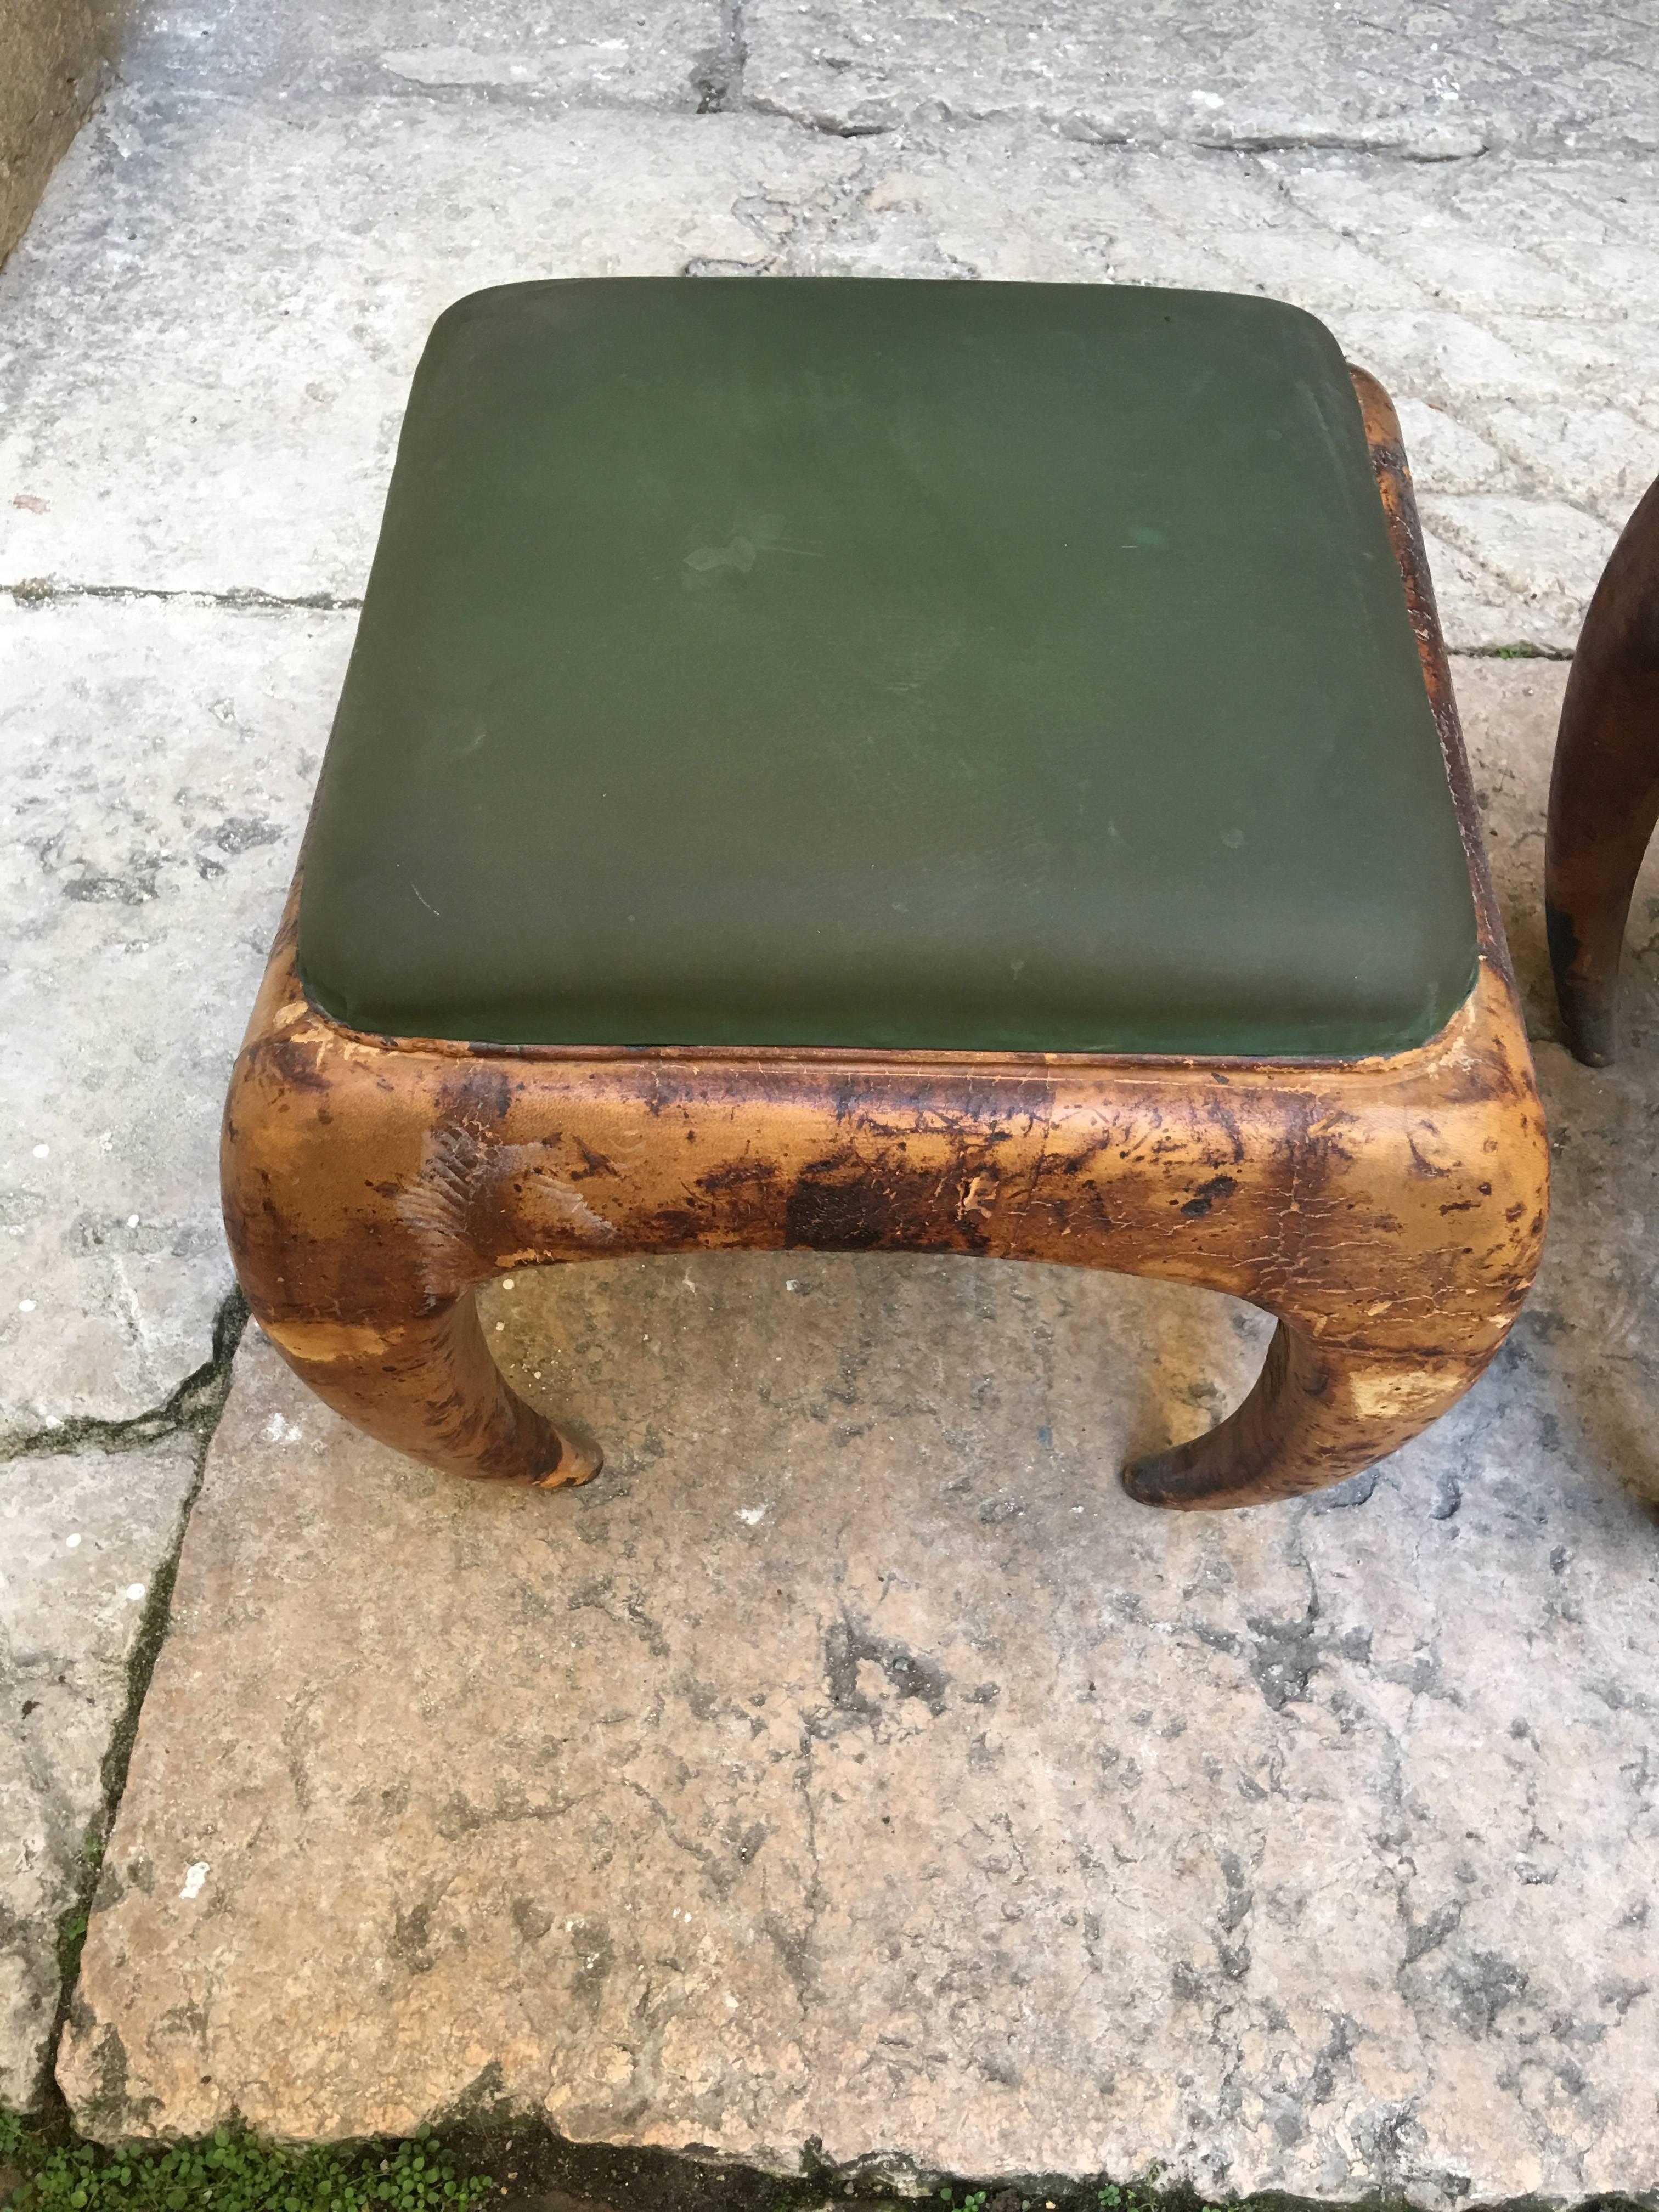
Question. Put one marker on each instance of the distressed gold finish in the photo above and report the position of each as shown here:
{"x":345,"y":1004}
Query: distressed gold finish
{"x":1389,"y":1212}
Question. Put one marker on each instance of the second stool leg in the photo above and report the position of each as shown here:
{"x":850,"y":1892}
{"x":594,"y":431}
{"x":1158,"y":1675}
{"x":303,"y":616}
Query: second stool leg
{"x":1604,"y":793}
{"x":1316,"y":1414}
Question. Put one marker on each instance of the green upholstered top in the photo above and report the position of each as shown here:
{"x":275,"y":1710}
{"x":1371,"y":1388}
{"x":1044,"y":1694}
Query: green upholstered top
{"x":845,"y":663}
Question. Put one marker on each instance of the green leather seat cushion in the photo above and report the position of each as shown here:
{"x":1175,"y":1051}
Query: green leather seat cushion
{"x":848,"y":663}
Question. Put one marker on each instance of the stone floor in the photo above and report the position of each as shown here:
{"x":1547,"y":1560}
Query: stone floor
{"x":854,"y":1764}
{"x":1336,"y":1877}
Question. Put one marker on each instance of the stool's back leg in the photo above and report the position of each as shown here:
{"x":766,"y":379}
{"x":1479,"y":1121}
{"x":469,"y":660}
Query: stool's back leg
{"x":1604,"y":794}
{"x":1317,"y":1414}
{"x":426,"y":1385}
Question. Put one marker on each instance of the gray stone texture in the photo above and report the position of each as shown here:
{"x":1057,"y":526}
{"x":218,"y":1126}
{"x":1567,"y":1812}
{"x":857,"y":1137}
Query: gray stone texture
{"x":852,"y":1762}
{"x":51,"y":67}
{"x":1432,"y":83}
{"x":81,"y":1536}
{"x":666,"y":55}
{"x":156,"y":763}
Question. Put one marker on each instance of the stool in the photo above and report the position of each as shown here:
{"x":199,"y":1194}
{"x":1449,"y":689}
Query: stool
{"x":1604,"y":793}
{"x":865,"y":766}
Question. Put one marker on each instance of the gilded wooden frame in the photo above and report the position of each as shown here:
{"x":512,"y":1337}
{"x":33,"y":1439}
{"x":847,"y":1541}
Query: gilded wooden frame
{"x":1389,"y":1212}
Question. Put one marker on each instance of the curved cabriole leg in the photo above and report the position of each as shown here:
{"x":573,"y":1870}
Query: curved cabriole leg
{"x":1317,"y":1414}
{"x":1604,"y":793}
{"x":346,"y":1199}
{"x":428,"y":1386}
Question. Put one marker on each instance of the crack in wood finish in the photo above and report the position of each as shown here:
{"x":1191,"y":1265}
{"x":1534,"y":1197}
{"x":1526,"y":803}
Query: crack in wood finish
{"x":1604,"y":792}
{"x":1389,"y":1212}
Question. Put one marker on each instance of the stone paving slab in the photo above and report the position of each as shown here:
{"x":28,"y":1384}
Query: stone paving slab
{"x":157,"y":760}
{"x":854,"y":1763}
{"x":82,"y":1534}
{"x":1429,"y":84}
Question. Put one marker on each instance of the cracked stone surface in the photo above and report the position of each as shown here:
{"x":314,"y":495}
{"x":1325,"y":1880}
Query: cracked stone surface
{"x":81,"y":1534}
{"x":1429,"y":84}
{"x":155,"y":763}
{"x":852,"y":1762}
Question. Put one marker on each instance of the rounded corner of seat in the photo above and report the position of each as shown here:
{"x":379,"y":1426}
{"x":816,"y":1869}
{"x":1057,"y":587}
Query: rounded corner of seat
{"x":488,"y":308}
{"x":1294,"y":317}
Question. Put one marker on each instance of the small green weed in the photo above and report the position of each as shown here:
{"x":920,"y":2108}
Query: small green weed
{"x":234,"y":2172}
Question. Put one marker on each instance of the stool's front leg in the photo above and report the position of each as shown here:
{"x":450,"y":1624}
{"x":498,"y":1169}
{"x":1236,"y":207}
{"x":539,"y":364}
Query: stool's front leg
{"x":1389,"y":1215}
{"x":426,"y":1385}
{"x":1317,"y":1414}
